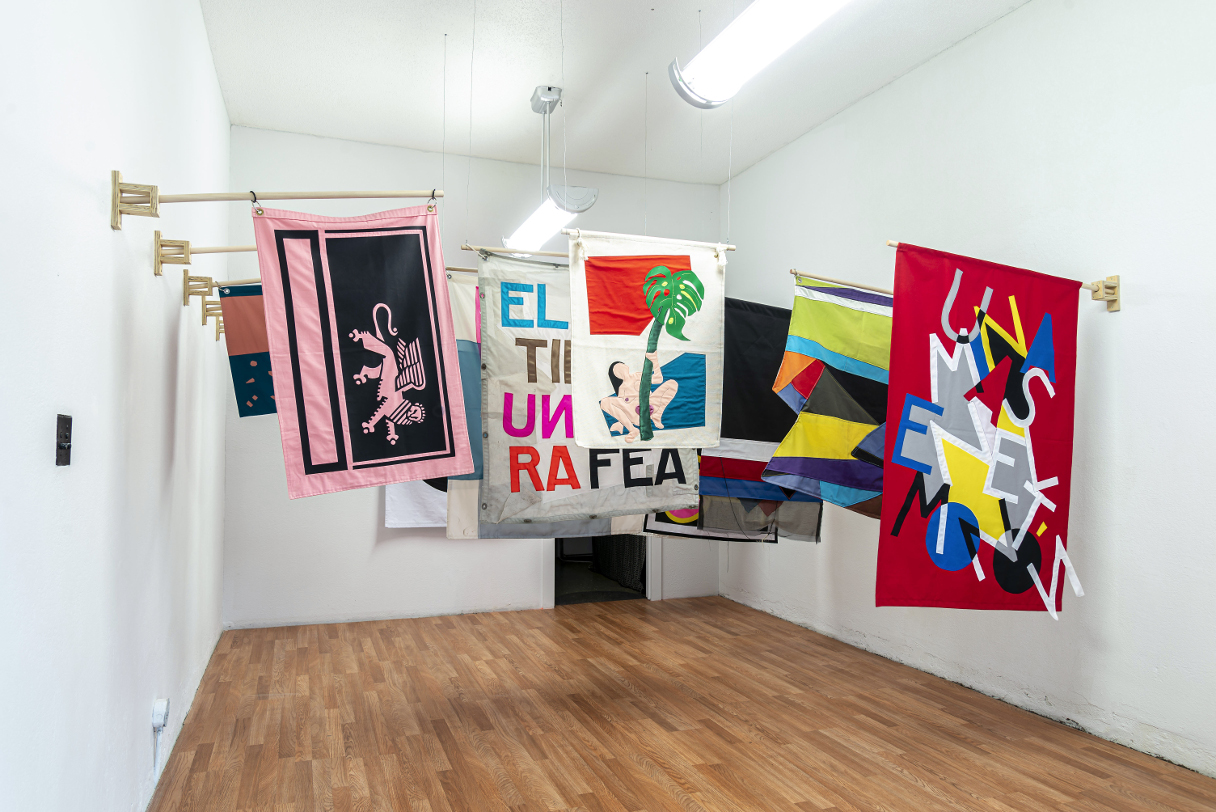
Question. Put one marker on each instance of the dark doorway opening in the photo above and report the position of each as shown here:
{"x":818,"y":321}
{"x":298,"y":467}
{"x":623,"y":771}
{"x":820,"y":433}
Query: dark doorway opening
{"x":600,"y":568}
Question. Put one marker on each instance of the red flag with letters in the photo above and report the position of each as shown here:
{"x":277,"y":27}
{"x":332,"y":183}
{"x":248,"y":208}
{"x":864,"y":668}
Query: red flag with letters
{"x":978,"y":459}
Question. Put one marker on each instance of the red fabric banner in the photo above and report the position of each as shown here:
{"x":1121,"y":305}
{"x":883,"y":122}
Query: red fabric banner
{"x":978,"y":462}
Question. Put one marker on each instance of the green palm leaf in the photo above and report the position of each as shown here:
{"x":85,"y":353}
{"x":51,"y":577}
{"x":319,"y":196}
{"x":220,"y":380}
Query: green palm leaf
{"x":672,"y":297}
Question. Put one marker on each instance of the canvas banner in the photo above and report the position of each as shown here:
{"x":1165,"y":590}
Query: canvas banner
{"x":248,"y":349}
{"x":979,"y":442}
{"x":367,"y":380}
{"x":646,"y":324}
{"x":532,"y":470}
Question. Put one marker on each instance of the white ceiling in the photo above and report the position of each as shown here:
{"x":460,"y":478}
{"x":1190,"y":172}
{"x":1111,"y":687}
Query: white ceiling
{"x":373,"y":70}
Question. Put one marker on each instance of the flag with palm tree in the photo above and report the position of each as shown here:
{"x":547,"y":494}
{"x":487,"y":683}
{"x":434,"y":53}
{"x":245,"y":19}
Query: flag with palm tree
{"x":626,"y":293}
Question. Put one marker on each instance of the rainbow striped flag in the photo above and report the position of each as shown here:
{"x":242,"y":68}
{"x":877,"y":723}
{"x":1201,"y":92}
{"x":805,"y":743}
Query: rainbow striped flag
{"x":834,"y":375}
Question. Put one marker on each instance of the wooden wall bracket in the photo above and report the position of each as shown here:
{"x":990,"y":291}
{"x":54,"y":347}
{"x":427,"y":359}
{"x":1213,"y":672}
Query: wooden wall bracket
{"x":1107,"y":290}
{"x":219,"y":326}
{"x":137,"y":199}
{"x":212,"y":309}
{"x":201,"y":286}
{"x":168,"y":252}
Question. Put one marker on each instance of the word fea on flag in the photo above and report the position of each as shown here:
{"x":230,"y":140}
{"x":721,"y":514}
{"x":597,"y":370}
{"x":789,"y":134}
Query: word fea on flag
{"x":628,"y":294}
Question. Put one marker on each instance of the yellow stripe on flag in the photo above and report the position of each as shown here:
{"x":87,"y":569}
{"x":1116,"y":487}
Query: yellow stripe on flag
{"x":823,"y":437}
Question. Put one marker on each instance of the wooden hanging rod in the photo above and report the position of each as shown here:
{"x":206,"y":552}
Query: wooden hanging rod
{"x":179,"y":252}
{"x":1104,"y":290}
{"x":207,"y":197}
{"x":576,"y":233}
{"x":223,"y":249}
{"x":143,"y":200}
{"x":488,"y":249}
{"x":819,"y":278}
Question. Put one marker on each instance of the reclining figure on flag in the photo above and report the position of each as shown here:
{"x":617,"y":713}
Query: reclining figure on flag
{"x":626,"y":406}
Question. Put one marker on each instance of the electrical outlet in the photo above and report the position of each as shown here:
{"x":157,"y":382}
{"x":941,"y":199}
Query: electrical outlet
{"x":160,"y":718}
{"x":160,"y":714}
{"x":63,"y":440}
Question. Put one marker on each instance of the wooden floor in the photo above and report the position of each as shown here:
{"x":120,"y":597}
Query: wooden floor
{"x":676,"y":705}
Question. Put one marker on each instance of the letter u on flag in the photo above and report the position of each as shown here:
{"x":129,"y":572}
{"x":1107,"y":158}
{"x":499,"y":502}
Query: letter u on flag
{"x":366,"y":372}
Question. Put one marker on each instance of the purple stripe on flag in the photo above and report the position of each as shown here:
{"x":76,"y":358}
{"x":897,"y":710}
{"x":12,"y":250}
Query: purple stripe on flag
{"x":856,"y":295}
{"x":849,"y":473}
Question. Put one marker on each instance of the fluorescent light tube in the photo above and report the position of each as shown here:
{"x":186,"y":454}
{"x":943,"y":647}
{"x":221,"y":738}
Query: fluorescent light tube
{"x":764,"y":31}
{"x":537,"y":229}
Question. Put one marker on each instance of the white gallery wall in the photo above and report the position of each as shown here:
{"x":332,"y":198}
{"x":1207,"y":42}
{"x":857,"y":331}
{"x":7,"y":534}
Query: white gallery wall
{"x":1073,"y":137}
{"x":329,"y":558}
{"x":110,"y":567}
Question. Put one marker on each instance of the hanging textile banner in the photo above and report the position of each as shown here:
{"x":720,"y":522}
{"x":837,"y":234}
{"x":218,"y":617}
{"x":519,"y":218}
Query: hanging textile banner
{"x":719,"y":518}
{"x":463,"y":491}
{"x":248,"y":350}
{"x":834,"y":375}
{"x":979,"y":440}
{"x":422,"y":503}
{"x":737,"y":504}
{"x":532,"y":470}
{"x":646,"y":318}
{"x":431,"y":495}
{"x":754,"y":418}
{"x":360,"y":334}
{"x":466,"y":326}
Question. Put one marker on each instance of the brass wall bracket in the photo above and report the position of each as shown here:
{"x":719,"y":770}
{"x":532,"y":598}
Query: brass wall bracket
{"x":1108,"y":290}
{"x":201,"y":286}
{"x":212,"y":309}
{"x":138,"y":199}
{"x":168,"y":252}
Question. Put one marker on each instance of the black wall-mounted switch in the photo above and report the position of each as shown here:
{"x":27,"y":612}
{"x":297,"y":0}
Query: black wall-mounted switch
{"x":63,"y":440}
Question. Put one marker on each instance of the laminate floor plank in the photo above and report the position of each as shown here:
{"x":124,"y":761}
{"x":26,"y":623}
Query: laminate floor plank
{"x":694,"y":705}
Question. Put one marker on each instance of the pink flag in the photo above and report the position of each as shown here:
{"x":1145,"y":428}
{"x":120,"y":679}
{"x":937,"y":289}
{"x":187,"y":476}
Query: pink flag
{"x":366,"y":375}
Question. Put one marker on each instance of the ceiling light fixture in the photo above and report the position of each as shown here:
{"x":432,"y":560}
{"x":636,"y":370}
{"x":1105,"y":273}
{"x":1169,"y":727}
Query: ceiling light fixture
{"x":764,"y":31}
{"x":559,"y":204}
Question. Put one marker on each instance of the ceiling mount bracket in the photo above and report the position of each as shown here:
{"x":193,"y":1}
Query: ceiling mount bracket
{"x":546,"y":98}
